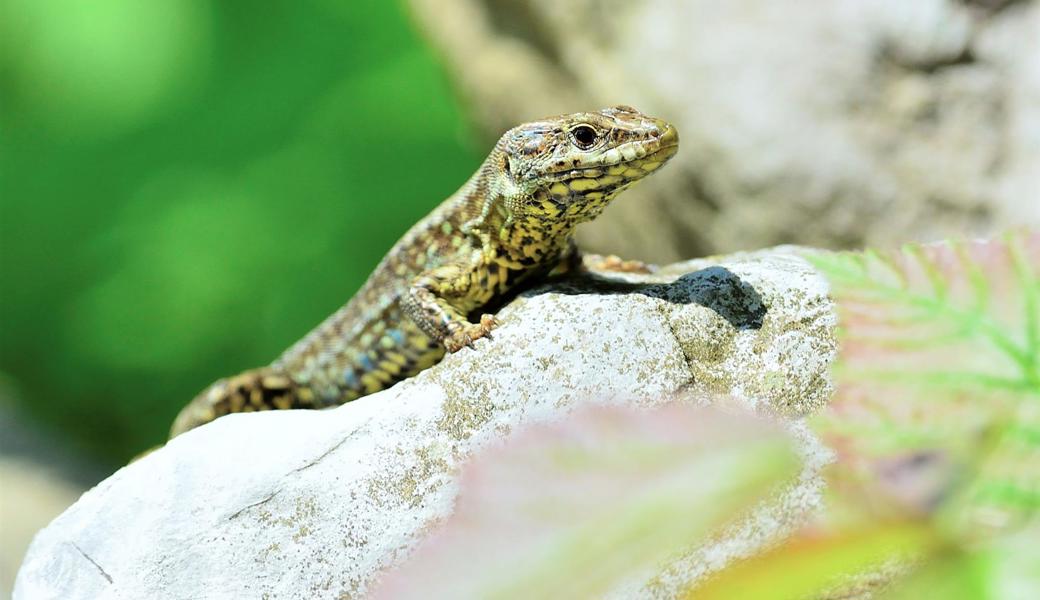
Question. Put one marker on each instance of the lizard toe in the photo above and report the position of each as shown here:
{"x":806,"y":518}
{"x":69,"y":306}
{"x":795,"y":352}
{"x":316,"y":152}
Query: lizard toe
{"x":465,"y":335}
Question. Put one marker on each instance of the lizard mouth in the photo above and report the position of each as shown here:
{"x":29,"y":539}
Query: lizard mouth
{"x":664,"y":152}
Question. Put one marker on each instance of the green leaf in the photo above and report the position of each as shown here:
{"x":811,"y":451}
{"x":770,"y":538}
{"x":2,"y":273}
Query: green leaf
{"x":573,"y":509}
{"x":807,"y":566}
{"x":951,"y":576}
{"x":1008,"y":568}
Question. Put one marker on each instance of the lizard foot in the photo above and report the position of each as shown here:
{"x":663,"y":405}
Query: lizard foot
{"x":464,"y":335}
{"x":613,"y":262}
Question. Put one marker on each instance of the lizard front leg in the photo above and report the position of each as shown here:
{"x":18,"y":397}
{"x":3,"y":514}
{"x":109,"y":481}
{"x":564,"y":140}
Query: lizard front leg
{"x":433,"y":301}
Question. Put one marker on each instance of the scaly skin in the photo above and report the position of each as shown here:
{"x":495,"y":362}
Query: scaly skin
{"x":512,"y":222}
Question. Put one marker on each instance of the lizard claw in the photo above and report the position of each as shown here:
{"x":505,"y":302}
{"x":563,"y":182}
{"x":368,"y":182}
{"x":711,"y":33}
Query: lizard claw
{"x":464,"y":335}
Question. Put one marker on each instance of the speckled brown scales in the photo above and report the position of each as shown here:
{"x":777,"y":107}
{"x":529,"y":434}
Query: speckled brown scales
{"x":511,"y":222}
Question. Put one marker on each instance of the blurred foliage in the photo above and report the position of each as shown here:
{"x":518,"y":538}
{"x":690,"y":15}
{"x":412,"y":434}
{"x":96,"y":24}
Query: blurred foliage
{"x":936,"y":422}
{"x":938,"y":399}
{"x":188,"y":186}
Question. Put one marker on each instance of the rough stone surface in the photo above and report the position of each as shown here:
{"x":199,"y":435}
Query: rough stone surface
{"x":877,"y":121}
{"x":303,"y":504}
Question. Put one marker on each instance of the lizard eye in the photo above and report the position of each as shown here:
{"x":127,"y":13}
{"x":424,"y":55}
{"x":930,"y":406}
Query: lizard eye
{"x":584,"y":136}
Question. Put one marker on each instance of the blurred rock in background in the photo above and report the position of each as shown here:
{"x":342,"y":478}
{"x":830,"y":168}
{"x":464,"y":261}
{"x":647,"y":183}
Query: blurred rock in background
{"x":831,"y":124}
{"x":39,"y":478}
{"x":30,"y":497}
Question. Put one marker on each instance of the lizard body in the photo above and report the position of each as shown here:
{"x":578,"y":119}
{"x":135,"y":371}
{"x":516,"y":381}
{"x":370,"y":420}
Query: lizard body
{"x":513,"y":221}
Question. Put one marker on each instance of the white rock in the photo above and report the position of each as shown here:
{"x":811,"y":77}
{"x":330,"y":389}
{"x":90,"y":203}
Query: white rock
{"x":302,"y":504}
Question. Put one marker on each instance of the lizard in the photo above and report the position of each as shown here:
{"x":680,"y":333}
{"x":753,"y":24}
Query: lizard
{"x":511,"y":223}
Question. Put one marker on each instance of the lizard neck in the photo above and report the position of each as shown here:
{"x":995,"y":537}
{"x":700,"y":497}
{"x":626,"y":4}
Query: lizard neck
{"x":523,"y":228}
{"x":536,"y":232}
{"x":518,"y":229}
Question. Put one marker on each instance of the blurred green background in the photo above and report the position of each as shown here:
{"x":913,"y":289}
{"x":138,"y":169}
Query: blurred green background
{"x":187,"y":187}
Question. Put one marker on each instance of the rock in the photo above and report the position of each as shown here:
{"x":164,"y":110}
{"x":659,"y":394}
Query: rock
{"x":878,"y":121}
{"x":303,"y":504}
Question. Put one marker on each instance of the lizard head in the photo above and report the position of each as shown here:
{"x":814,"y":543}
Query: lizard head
{"x":572,"y":165}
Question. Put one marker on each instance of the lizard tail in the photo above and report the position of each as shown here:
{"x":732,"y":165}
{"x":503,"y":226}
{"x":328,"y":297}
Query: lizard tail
{"x":252,"y":390}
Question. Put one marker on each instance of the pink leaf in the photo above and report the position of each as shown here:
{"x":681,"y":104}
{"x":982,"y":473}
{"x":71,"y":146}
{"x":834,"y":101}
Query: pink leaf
{"x":571,"y":509}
